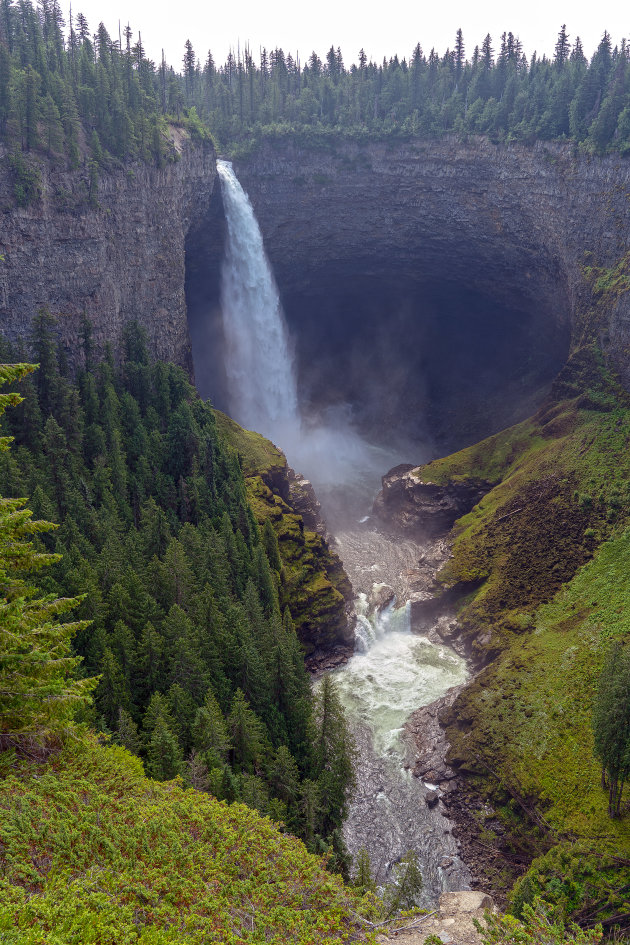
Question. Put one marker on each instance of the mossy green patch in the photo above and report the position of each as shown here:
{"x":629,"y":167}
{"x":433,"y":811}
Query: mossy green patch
{"x":314,"y":584}
{"x":609,"y":283}
{"x":94,"y":852}
{"x":487,"y":460}
{"x":258,"y":454}
{"x":528,"y":725}
{"x":547,"y":554}
{"x":532,"y":705}
{"x":561,"y":485}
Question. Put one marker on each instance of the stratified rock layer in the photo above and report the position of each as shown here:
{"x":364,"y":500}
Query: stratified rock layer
{"x":119,"y":261}
{"x":437,"y":287}
{"x":513,"y":222}
{"x":425,"y":509}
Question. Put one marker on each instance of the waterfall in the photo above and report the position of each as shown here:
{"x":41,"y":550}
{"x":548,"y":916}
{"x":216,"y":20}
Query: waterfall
{"x":372,"y":626}
{"x":259,"y":365}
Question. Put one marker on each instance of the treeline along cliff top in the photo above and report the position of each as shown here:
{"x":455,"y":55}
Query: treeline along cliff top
{"x":82,"y":95}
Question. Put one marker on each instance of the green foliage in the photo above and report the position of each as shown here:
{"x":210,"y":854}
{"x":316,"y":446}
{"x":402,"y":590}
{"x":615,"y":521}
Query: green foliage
{"x":96,"y":852}
{"x":26,"y":179}
{"x":199,"y":672}
{"x":611,"y":724}
{"x":404,"y":890}
{"x":578,"y":882}
{"x":362,"y":878}
{"x":38,"y":697}
{"x":335,"y":753}
{"x":537,"y":928}
{"x":52,"y":85}
{"x":506,"y":96}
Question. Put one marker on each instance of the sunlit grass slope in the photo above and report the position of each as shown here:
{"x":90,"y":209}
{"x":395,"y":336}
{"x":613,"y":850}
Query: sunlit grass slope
{"x":95,"y":852}
{"x":542,"y":565}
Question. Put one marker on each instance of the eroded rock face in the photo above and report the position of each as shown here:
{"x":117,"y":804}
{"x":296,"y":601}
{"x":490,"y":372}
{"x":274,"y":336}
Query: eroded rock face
{"x":425,"y":509}
{"x":440,"y":279}
{"x":120,"y":261}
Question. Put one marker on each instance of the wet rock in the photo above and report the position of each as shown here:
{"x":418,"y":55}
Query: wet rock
{"x":322,"y":662}
{"x":430,"y":741}
{"x":381,"y":596}
{"x":426,"y":509}
{"x":446,"y":628}
{"x":432,"y":798}
{"x":303,"y":499}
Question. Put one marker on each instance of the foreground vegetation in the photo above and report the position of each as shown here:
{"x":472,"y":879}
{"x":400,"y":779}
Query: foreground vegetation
{"x":184,"y":613}
{"x":93,"y":851}
{"x":541,"y":568}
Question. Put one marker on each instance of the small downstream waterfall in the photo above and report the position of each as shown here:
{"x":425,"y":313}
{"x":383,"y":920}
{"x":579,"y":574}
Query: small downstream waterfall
{"x":259,"y":366}
{"x":393,"y":671}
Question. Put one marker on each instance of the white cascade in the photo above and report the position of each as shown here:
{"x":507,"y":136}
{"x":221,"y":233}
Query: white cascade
{"x":259,"y":364}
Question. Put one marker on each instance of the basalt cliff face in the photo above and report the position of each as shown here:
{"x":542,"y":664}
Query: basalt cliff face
{"x":119,"y":260}
{"x":514,"y":223}
{"x":461,"y":273}
{"x":452,"y":278}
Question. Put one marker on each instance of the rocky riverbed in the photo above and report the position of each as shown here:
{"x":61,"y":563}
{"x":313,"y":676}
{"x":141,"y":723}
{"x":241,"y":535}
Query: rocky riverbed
{"x":393,"y":671}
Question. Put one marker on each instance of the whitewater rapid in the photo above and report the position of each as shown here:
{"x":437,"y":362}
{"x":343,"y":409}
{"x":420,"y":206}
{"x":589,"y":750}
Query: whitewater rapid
{"x":393,"y":671}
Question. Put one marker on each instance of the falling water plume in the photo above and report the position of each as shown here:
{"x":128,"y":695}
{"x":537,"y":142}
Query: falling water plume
{"x":259,"y":364}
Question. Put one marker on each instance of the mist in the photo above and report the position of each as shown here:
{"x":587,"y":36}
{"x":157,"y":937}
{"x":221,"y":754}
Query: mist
{"x":322,"y":444}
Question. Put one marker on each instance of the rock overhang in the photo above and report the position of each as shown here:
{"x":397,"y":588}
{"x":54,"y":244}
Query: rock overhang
{"x":460,"y":258}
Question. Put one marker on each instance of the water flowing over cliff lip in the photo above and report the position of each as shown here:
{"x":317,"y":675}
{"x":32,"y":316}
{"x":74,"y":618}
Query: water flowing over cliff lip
{"x":440,"y":280}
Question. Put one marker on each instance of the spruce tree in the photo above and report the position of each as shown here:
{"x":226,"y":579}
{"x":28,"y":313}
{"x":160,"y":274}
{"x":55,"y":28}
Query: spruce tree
{"x":38,"y":695}
{"x":611,"y":724}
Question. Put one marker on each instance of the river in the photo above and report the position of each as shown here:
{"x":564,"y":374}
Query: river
{"x":394,"y":670}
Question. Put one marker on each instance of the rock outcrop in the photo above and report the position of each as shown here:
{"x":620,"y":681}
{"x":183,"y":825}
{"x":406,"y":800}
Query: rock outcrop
{"x":425,"y":509}
{"x":314,"y":584}
{"x":119,"y":260}
{"x":452,"y":923}
{"x":512,"y":221}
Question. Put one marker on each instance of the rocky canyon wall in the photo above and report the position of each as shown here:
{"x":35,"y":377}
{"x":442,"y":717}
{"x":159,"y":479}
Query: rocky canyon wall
{"x":518,"y":225}
{"x":117,"y":260}
{"x":361,"y":237}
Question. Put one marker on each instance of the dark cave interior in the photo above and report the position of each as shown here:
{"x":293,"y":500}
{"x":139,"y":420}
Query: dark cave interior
{"x":415,"y":351}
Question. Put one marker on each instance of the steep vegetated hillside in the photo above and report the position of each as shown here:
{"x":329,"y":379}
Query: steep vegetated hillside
{"x":540,"y":569}
{"x":93,"y":851}
{"x":188,"y":597}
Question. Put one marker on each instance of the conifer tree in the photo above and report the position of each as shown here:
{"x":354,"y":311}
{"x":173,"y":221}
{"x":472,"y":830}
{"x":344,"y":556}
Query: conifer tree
{"x":611,"y":724}
{"x":335,"y":754}
{"x":37,"y":694}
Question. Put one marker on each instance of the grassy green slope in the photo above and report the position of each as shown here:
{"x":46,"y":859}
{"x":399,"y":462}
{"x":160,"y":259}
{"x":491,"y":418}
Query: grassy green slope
{"x":94,"y":852}
{"x":315,"y":584}
{"x":561,"y":485}
{"x":541,"y":564}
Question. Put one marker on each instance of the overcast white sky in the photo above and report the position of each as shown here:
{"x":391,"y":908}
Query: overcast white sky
{"x":382,"y":28}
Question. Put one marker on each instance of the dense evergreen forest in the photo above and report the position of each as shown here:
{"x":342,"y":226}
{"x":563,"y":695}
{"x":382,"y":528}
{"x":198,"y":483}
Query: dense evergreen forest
{"x":90,"y":98}
{"x":201,"y":671}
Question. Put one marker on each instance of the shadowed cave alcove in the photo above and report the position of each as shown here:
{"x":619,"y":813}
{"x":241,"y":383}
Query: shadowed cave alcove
{"x":412,"y":343}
